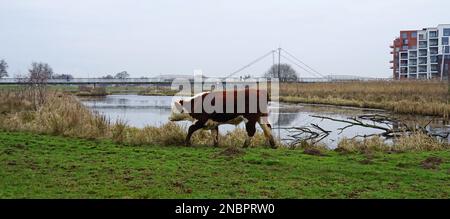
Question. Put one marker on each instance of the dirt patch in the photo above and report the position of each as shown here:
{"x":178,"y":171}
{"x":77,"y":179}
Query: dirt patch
{"x":232,"y":152}
{"x":19,"y":146}
{"x":431,"y":163}
{"x":11,"y":163}
{"x":313,"y":151}
{"x":181,"y":187}
{"x":402,"y":165}
{"x":366,"y":161}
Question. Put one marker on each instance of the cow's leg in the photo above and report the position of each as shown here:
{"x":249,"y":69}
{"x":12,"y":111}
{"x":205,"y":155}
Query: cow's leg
{"x":215,"y":134}
{"x":250,"y":126}
{"x":266,"y":127}
{"x":194,"y":127}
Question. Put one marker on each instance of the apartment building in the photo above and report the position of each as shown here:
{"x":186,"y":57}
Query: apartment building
{"x":422,"y":54}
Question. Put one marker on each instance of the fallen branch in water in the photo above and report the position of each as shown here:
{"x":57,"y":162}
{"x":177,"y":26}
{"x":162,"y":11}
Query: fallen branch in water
{"x":312,"y":134}
{"x":391,"y":127}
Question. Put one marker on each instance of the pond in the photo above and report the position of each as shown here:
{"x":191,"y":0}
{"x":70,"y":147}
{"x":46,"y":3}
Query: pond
{"x":141,"y":111}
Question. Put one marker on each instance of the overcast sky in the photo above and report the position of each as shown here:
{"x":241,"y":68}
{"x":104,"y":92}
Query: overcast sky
{"x":148,"y":38}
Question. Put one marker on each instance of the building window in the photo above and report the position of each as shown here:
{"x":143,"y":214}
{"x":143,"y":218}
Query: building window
{"x":446,"y":49}
{"x":446,"y":31}
{"x":434,"y":42}
{"x":434,"y":51}
{"x":423,"y":52}
{"x":423,"y":44}
{"x":444,"y":40}
{"x":423,"y":61}
{"x":405,"y":47}
{"x":414,"y":35}
{"x":433,"y":34}
{"x":404,"y":35}
{"x":422,"y":37}
{"x":433,"y":59}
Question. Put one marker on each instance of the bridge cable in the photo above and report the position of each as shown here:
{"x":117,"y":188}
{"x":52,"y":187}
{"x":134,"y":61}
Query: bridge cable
{"x":297,"y":59}
{"x":250,"y":64}
{"x":303,"y":68}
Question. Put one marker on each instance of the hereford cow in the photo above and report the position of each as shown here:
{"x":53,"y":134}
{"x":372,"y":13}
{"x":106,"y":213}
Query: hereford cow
{"x":208,"y":110}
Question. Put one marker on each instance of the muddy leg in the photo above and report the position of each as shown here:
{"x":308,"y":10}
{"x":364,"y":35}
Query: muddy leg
{"x":215,"y":134}
{"x":251,"y":129}
{"x":194,"y":127}
{"x":266,"y":127}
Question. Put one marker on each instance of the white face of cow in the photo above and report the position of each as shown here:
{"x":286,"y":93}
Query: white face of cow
{"x":178,"y":112}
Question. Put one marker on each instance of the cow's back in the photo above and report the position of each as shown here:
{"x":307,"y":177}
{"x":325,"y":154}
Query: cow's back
{"x":249,"y":103}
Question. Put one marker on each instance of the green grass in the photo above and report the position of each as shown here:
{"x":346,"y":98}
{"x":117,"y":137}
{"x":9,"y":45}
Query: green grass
{"x":42,"y":166}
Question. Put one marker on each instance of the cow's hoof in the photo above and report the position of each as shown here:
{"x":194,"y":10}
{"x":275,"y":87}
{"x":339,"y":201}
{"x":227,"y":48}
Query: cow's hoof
{"x":273,"y":145}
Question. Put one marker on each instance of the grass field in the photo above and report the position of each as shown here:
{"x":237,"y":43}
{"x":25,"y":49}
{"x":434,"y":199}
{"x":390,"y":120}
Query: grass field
{"x":42,"y":166}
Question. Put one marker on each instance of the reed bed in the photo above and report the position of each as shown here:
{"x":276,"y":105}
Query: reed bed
{"x":407,"y":97}
{"x":408,"y":143}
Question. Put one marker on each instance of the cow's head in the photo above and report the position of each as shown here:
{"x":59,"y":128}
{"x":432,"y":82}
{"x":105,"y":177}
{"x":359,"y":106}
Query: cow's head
{"x":179,"y":111}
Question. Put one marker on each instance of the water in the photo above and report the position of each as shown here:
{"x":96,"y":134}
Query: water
{"x":140,"y":111}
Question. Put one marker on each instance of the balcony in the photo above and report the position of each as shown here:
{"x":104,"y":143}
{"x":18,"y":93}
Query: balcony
{"x":434,"y":51}
{"x":434,"y":68}
{"x":403,"y":70}
{"x":423,"y":52}
{"x":433,"y":60}
{"x":423,"y":69}
{"x":433,"y":34}
{"x":434,"y":42}
{"x":423,"y":44}
{"x":422,"y":37}
{"x":423,"y":61}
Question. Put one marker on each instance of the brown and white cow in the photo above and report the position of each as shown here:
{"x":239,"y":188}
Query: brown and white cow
{"x":208,"y":110}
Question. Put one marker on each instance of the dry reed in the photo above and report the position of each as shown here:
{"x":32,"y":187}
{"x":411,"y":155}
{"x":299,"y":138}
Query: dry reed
{"x":408,"y":97}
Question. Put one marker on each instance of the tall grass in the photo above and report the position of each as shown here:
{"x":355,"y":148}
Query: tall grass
{"x":409,"y":97}
{"x":63,"y":114}
{"x":407,"y":143}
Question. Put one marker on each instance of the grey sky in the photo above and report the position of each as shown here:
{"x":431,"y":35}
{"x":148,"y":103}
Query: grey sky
{"x":147,"y":38}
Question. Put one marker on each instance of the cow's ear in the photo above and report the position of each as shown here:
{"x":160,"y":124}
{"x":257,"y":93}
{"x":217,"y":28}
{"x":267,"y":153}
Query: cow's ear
{"x":181,"y":102}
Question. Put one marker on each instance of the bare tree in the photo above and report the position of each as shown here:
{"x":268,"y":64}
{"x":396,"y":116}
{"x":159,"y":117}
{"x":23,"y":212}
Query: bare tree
{"x":37,"y":78}
{"x":3,"y":67}
{"x":39,"y":72}
{"x":287,"y":73}
{"x":122,"y":75}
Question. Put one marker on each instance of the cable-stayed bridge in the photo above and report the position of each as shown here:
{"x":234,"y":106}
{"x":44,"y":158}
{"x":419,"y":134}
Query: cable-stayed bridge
{"x":278,"y":56}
